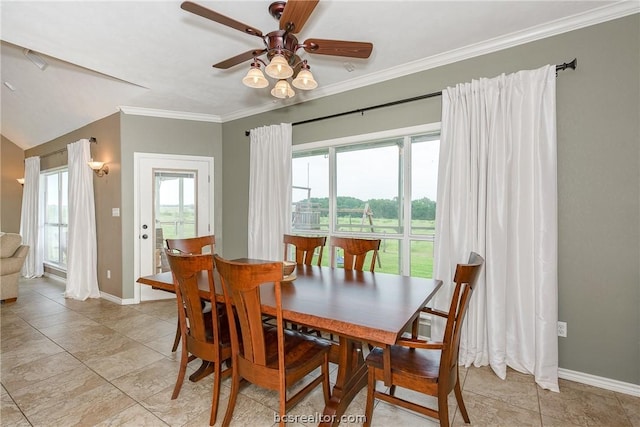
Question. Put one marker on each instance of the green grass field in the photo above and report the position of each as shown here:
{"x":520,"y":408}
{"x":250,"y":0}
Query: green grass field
{"x":421,"y":252}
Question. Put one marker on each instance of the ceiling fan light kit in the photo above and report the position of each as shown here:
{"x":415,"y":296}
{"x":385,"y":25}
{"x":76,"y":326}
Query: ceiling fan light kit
{"x":279,"y":68}
{"x":282,"y":90}
{"x":281,"y":45}
{"x":304,"y":80}
{"x":255,"y":78}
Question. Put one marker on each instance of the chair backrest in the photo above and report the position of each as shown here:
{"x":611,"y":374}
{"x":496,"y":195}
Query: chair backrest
{"x":193,"y":245}
{"x":356,"y":250}
{"x":465,"y":281}
{"x":305,"y":247}
{"x":241,"y":286}
{"x":185,"y":269}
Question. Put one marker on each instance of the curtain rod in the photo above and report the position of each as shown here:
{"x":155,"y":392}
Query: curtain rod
{"x":560,"y":67}
{"x":92,"y":140}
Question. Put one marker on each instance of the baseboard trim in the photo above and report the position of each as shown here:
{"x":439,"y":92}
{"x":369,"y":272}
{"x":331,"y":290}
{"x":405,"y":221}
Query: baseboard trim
{"x":601,"y":382}
{"x":55,"y":277}
{"x":117,"y":300}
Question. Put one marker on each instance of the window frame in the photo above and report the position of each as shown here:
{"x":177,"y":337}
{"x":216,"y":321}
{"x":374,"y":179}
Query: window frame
{"x":332,"y":145}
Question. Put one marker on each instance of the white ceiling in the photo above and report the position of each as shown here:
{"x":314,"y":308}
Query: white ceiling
{"x":152,"y":57}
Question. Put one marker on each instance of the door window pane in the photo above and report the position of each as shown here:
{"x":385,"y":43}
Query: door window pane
{"x":174,"y":211}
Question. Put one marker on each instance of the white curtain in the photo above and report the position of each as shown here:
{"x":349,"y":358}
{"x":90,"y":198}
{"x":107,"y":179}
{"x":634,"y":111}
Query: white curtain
{"x":269,"y":190}
{"x":497,"y":195}
{"x":31,"y":219}
{"x":82,"y":277}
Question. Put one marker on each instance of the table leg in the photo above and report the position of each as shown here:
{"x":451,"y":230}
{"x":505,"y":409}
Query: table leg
{"x":352,"y":377}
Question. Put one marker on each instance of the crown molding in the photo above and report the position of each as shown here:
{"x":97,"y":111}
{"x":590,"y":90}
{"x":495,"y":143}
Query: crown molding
{"x":559,"y":26}
{"x":167,"y":114}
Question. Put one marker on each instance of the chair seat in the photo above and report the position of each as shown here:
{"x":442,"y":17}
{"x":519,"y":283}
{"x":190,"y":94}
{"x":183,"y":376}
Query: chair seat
{"x":420,"y":364}
{"x":299,"y":348}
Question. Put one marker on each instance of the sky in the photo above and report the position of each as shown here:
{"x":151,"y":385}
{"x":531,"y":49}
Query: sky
{"x":370,"y":174}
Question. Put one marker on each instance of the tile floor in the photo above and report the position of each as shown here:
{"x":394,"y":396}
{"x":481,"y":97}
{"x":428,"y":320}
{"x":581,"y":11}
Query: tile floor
{"x":95,"y":363}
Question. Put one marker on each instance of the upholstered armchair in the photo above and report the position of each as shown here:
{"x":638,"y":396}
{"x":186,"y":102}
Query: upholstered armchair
{"x":12,"y":256}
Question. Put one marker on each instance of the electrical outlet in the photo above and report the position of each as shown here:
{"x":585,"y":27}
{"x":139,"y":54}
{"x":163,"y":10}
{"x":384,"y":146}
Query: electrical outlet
{"x":562,"y":329}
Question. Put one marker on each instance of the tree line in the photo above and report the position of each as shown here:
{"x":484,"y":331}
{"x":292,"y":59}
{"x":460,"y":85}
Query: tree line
{"x":424,"y":208}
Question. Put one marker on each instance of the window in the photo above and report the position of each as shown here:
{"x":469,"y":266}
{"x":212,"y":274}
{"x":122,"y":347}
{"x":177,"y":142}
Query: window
{"x":56,"y":217}
{"x":372,"y":186}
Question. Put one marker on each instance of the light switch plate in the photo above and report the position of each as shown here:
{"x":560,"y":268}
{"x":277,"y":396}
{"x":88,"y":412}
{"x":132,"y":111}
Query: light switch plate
{"x":115,"y":212}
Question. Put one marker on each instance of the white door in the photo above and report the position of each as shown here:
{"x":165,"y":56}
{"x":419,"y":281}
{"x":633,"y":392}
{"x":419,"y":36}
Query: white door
{"x":174,"y":199}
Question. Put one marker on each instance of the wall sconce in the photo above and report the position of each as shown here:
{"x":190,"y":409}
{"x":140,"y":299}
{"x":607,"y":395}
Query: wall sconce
{"x":100,"y":168}
{"x":20,"y":181}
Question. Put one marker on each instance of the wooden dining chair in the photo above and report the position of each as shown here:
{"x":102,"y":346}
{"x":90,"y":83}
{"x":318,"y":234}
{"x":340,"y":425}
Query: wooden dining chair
{"x":205,"y":335}
{"x":305,"y":248}
{"x":271,"y":357}
{"x":191,"y":245}
{"x":426,"y":366}
{"x":356,"y":251}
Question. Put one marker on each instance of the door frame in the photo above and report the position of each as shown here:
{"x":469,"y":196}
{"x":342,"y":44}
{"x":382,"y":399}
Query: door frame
{"x":137,"y":158}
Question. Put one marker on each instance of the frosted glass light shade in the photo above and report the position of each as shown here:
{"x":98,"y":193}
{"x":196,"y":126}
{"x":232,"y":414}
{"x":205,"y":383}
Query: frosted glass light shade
{"x":282,"y":90}
{"x":95,"y":165}
{"x":255,"y":79}
{"x":279,"y":68}
{"x":305,"y":81}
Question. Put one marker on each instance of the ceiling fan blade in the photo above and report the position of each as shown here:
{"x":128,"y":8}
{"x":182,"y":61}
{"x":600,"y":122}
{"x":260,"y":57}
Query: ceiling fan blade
{"x":221,"y":19}
{"x":296,"y":13}
{"x":338,"y":48}
{"x":228,"y":63}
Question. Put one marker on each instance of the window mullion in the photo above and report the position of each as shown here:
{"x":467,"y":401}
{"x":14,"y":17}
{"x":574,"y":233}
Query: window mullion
{"x":333,"y":202}
{"x":406,"y":219}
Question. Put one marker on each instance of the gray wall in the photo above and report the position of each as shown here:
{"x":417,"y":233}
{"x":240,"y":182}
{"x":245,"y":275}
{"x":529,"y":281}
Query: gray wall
{"x":106,"y":188}
{"x":598,"y":175}
{"x":11,"y":168}
{"x":167,"y":136}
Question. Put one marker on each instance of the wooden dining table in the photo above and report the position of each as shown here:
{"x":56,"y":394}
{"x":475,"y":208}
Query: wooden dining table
{"x":355,"y":306}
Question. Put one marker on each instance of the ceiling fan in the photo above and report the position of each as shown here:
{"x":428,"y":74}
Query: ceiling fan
{"x":281,"y":45}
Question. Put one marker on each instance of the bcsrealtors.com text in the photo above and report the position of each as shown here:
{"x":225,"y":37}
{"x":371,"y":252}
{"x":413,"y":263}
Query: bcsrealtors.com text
{"x":317,"y":418}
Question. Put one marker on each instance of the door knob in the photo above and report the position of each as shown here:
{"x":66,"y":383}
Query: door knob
{"x":144,"y":236}
{"x":144,"y":227}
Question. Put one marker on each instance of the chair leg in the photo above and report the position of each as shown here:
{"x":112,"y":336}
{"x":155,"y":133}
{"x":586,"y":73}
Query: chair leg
{"x":217,"y":371}
{"x":235,"y":385}
{"x":443,"y":410}
{"x":463,"y":410}
{"x":176,"y":340}
{"x":184,"y":359}
{"x":371,"y":391}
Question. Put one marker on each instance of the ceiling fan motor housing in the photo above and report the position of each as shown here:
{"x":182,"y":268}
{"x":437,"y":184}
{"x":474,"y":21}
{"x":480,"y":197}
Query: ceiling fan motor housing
{"x":280,"y":41}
